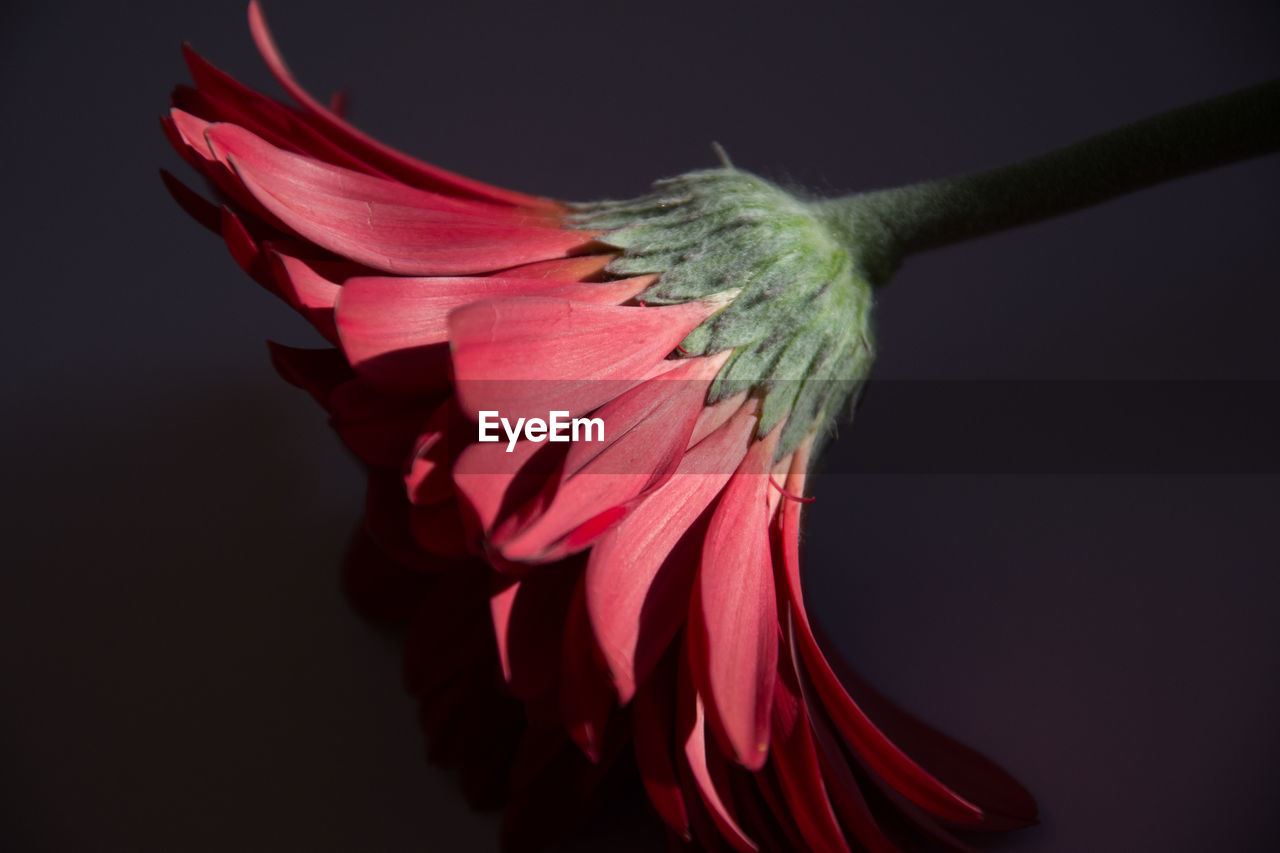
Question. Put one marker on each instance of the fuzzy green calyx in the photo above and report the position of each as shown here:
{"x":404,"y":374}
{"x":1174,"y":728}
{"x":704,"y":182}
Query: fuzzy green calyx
{"x":799,"y":322}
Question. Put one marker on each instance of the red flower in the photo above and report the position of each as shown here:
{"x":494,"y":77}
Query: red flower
{"x":645,"y":586}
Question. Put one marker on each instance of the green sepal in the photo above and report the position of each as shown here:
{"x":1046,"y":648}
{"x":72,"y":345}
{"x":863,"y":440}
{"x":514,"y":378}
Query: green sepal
{"x":797,"y":320}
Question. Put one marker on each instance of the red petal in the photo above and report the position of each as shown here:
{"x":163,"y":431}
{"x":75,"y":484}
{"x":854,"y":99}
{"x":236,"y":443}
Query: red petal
{"x":229,"y":100}
{"x":845,"y":793}
{"x":870,"y":743}
{"x":324,"y":181}
{"x":401,"y":166}
{"x":705,"y":765}
{"x":640,"y":573}
{"x":401,"y":239}
{"x":645,"y":433}
{"x":394,"y":329}
{"x":496,"y":484}
{"x":733,"y":631}
{"x":310,"y":286}
{"x":795,"y":761}
{"x":247,"y":251}
{"x":529,"y":356}
{"x":189,"y":131}
{"x":427,"y":479}
{"x":581,"y":268}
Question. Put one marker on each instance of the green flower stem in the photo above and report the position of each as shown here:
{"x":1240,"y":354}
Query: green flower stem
{"x":885,"y":226}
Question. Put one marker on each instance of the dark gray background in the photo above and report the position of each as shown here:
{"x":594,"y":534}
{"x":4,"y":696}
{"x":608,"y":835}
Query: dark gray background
{"x":180,"y":668}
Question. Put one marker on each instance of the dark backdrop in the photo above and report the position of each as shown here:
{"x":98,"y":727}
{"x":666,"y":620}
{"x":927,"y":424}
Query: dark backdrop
{"x":180,"y":669}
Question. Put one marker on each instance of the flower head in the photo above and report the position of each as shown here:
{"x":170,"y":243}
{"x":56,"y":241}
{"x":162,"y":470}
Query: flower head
{"x":638,"y":590}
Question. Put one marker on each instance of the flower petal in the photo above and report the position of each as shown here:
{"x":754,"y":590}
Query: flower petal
{"x":706,"y":766}
{"x":394,"y":330}
{"x":186,"y":132}
{"x":401,"y":166}
{"x":310,"y":286}
{"x":799,"y":774}
{"x":644,"y":435}
{"x":640,"y":573}
{"x":870,"y":742}
{"x":426,"y":478}
{"x":227,"y":99}
{"x":397,"y":238}
{"x":495,"y":484}
{"x":843,"y":788}
{"x":525,"y":357}
{"x":733,"y":630}
{"x":326,"y":181}
{"x":578,"y":268}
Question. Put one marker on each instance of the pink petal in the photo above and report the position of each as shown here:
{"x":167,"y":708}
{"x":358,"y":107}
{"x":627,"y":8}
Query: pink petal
{"x":646,"y":431}
{"x":528,"y":356}
{"x":715,"y":416}
{"x":188,"y":131}
{"x":640,"y":573}
{"x":427,"y":479}
{"x":325,"y":181}
{"x":394,"y":330}
{"x":401,"y":239}
{"x":232,"y":101}
{"x":310,"y":286}
{"x":495,"y":484}
{"x":733,"y":630}
{"x":385,"y":158}
{"x":580,"y":268}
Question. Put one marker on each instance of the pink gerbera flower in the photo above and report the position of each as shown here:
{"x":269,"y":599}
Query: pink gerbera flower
{"x":642,"y":589}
